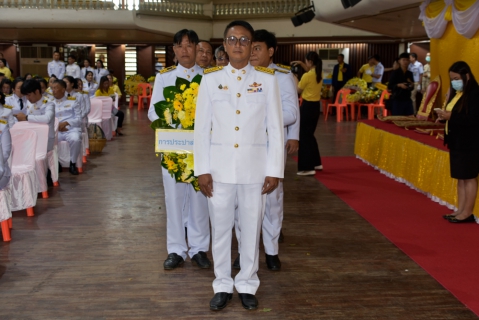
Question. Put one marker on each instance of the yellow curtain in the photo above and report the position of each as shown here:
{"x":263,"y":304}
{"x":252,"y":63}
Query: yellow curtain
{"x":435,"y":8}
{"x":463,"y":5}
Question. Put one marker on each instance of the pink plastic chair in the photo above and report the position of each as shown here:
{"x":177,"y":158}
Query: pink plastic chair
{"x":23,"y":182}
{"x":144,"y":92}
{"x":41,"y":164}
{"x":372,"y":106}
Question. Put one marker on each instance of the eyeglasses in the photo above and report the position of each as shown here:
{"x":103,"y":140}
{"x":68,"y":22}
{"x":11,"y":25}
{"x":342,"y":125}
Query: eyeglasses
{"x":221,"y":59}
{"x":232,"y":41}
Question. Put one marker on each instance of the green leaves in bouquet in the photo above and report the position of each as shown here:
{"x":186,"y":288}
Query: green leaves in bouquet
{"x":180,"y":82}
{"x":169,"y":93}
{"x":197,"y":78}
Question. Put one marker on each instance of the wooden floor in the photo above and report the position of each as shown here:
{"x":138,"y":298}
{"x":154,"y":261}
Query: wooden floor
{"x":95,"y":248}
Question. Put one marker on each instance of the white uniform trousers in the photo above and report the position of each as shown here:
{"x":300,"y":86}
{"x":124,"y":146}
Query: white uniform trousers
{"x":272,"y":222}
{"x":250,"y":217}
{"x":73,"y":137}
{"x":180,"y":197}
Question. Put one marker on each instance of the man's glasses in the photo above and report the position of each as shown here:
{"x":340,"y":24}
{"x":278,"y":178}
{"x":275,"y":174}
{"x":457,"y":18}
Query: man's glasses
{"x":232,"y":41}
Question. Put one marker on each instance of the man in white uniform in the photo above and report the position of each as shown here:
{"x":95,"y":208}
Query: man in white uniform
{"x":56,"y":67}
{"x":417,"y":72}
{"x":378,"y":70}
{"x":264,"y":47}
{"x":72,"y":69}
{"x":69,"y":118}
{"x":239,"y":157}
{"x":204,"y":54}
{"x":182,"y":196}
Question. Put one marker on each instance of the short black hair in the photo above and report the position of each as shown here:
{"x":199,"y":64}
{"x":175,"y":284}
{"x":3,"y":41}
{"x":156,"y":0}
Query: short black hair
{"x":30,"y":86}
{"x":404,"y":55}
{"x":267,"y":37}
{"x":61,"y":82}
{"x":2,"y":98}
{"x":240,"y":23}
{"x":72,"y":81}
{"x":341,"y":55}
{"x":56,"y":51}
{"x":17,"y":81}
{"x":72,"y":56}
{"x":6,"y":81}
{"x":414,"y":55}
{"x":41,"y":80}
{"x":377,"y":57}
{"x":86,"y":73}
{"x":4,"y":62}
{"x":206,"y":42}
{"x":190,"y":34}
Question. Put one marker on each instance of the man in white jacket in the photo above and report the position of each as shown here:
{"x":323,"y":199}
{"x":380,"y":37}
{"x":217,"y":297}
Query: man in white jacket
{"x":239,"y":155}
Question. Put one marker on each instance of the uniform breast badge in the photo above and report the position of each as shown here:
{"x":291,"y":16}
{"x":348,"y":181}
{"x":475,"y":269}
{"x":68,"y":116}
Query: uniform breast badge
{"x":255,"y":87}
{"x":221,"y":87}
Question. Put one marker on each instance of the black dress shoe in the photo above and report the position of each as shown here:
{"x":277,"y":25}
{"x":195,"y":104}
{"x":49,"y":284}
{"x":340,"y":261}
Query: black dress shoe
{"x":467,"y":220}
{"x":448,"y":216}
{"x":73,"y":169}
{"x":201,"y":260}
{"x":236,"y":264}
{"x":248,"y":301}
{"x":173,"y":261}
{"x":220,"y":300}
{"x":281,"y":236}
{"x":273,"y":262}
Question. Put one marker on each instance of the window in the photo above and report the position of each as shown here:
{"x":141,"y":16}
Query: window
{"x":130,"y":61}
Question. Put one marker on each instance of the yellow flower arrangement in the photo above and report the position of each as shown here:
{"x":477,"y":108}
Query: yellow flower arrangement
{"x":178,"y":110}
{"x":151,"y":79}
{"x":131,"y":84}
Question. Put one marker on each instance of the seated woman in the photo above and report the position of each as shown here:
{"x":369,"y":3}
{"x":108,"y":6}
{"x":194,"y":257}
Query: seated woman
{"x":116,"y":89}
{"x":17,"y":101}
{"x":461,"y":132}
{"x":4,"y":69}
{"x":89,"y":84}
{"x":48,"y":91}
{"x":106,"y":91}
{"x":6,"y":87}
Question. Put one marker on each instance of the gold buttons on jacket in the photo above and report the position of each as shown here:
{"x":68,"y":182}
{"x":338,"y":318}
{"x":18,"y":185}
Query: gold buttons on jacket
{"x":233,"y":71}
{"x":239,"y":78}
{"x":243,"y":71}
{"x":188,"y":76}
{"x":238,"y":95}
{"x":236,"y":128}
{"x":236,"y":145}
{"x":238,"y":112}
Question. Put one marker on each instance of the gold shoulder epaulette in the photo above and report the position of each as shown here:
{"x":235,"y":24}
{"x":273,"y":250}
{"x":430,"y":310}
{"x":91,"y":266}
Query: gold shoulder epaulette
{"x":8,"y":95}
{"x":45,"y":101}
{"x":8,"y":106}
{"x":84,"y":92}
{"x":265,"y":70}
{"x":213,"y":69}
{"x":71,"y":98}
{"x":284,"y":66}
{"x":282,"y":71}
{"x":167,"y":69}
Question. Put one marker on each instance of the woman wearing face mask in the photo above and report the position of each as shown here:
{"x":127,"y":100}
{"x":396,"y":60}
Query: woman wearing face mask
{"x":89,"y":84}
{"x":462,"y":117}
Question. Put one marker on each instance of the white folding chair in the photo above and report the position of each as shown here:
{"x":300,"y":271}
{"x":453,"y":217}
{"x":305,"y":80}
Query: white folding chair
{"x":5,"y":213}
{"x":41,"y":164}
{"x":53,"y":158}
{"x":24,"y":181}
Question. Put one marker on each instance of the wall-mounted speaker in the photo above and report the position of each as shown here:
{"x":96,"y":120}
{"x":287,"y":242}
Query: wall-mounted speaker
{"x":349,"y":3}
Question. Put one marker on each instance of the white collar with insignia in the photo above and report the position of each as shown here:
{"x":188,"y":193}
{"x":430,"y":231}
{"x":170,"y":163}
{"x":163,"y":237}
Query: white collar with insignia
{"x":238,"y":72}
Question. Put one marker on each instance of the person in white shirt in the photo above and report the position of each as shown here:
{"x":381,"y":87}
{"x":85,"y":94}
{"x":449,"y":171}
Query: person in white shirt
{"x":86,"y":67}
{"x":417,"y":72}
{"x":5,"y":147}
{"x":16,"y":102}
{"x":100,"y":71}
{"x":378,"y":70}
{"x":89,"y":84}
{"x":239,"y":158}
{"x":72,"y":70}
{"x":56,"y":67}
{"x":204,"y":54}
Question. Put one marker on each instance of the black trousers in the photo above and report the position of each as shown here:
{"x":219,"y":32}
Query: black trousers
{"x":120,"y":116}
{"x":308,"y":154}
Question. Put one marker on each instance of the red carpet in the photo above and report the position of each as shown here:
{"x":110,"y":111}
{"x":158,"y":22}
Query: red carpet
{"x":412,"y":222}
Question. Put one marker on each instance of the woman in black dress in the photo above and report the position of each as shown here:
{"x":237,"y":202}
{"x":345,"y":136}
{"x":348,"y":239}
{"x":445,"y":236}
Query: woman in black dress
{"x":462,"y":132}
{"x":401,"y":85}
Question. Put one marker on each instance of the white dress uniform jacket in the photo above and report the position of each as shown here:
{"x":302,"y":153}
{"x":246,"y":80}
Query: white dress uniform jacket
{"x":5,"y":150}
{"x":6,"y":114}
{"x":67,"y":109}
{"x":43,"y":111}
{"x":90,"y":87}
{"x":237,"y":114}
{"x":98,"y":73}
{"x":73,"y":70}
{"x":184,"y":206}
{"x":16,"y":103}
{"x":56,"y":68}
{"x":84,"y":71}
